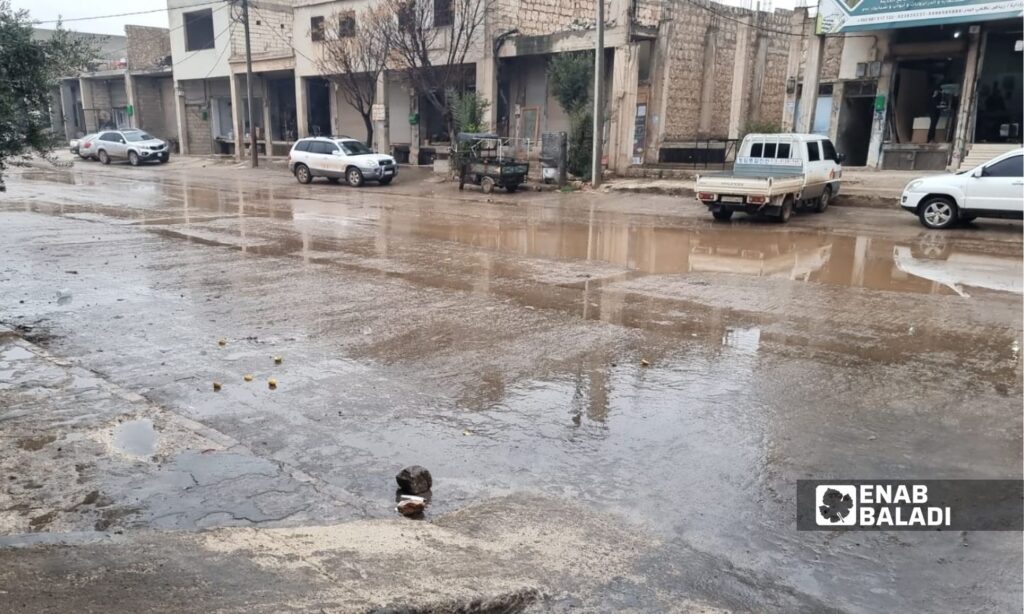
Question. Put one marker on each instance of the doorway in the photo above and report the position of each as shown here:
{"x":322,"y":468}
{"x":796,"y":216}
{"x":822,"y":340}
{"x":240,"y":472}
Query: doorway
{"x":856,"y":114}
{"x":319,"y":107}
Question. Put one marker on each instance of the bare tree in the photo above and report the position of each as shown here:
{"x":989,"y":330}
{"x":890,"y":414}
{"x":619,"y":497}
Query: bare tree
{"x":430,"y":40}
{"x":354,"y":53}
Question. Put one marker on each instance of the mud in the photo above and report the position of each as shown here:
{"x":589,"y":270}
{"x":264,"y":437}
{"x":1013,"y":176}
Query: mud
{"x":501,"y":346}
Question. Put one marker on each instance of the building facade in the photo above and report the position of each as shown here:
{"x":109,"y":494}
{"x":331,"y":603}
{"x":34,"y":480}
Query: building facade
{"x":923,"y":88}
{"x":681,"y":76}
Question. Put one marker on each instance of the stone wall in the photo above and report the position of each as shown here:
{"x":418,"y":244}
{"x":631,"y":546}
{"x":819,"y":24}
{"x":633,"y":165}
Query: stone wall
{"x":200,"y":135}
{"x":831,"y":58}
{"x":149,"y":106}
{"x":148,"y":48}
{"x":270,"y":31}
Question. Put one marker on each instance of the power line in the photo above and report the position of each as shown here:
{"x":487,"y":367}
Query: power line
{"x":61,"y":20}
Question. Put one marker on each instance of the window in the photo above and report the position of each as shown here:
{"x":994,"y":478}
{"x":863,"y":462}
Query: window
{"x":828,"y":151}
{"x":355,"y":148}
{"x":323,"y":147}
{"x":110,"y":137}
{"x":813,"y":154}
{"x":757,"y":150}
{"x":407,"y":15}
{"x":198,"y":30}
{"x":302,"y":146}
{"x":783,"y":151}
{"x":347,"y":24}
{"x":316,"y":28}
{"x":769,"y":150}
{"x":1010,"y":167}
{"x":136,"y":137}
{"x":442,"y":13}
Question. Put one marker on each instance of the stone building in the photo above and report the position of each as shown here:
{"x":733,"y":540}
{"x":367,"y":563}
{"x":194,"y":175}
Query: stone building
{"x":129,"y":86}
{"x":684,"y":78}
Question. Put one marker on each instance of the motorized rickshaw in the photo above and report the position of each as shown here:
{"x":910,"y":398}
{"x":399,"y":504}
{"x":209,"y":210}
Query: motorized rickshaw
{"x":481,"y":159}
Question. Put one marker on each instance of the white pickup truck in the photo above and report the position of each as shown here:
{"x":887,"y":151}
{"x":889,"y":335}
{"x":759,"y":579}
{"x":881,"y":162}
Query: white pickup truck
{"x":773,"y":175}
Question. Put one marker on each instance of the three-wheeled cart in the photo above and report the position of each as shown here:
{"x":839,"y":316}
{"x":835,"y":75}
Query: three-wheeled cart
{"x":480,"y":160}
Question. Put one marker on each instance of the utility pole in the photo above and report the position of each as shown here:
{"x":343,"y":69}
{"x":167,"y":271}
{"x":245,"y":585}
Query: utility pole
{"x":595,"y":164}
{"x":253,"y":154}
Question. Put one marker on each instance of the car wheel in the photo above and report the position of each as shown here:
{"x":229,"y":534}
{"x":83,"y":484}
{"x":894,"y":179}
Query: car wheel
{"x":133,"y":158}
{"x":387,"y":180}
{"x":938,"y":212}
{"x":302,"y":173}
{"x":785,"y":211}
{"x":333,"y":179}
{"x":354,"y":177}
{"x":823,"y":201}
{"x":487,"y":185}
{"x":722,"y":215}
{"x":104,"y":158}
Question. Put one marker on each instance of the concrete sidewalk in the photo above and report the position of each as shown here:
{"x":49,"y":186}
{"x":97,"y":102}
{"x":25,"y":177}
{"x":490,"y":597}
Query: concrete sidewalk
{"x":860,"y":187}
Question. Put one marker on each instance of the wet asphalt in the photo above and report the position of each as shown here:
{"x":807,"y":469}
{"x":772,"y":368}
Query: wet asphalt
{"x":621,"y":354}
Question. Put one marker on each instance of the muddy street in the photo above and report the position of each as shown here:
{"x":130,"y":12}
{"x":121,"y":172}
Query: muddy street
{"x":615,"y":397}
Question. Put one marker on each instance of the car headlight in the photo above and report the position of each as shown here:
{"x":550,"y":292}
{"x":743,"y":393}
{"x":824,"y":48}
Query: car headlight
{"x":913,"y":184}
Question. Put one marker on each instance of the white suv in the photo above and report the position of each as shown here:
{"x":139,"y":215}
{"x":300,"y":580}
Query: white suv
{"x":994,"y":189}
{"x":337,"y":158}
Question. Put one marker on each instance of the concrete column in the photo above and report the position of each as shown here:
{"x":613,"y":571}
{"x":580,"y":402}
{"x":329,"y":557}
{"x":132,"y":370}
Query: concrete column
{"x":414,"y":130}
{"x":85,"y":87}
{"x":238,"y":115}
{"x":487,"y":86}
{"x":707,"y":86}
{"x":133,"y":101}
{"x":760,"y":65}
{"x":625,"y":80}
{"x":179,"y":112}
{"x":334,"y":108}
{"x":382,"y":127}
{"x":301,"y":107}
{"x":811,"y":78}
{"x":793,"y":69}
{"x":67,"y":109}
{"x":885,"y":79}
{"x":962,"y":134}
{"x":738,"y":96}
{"x":268,"y":133}
{"x":661,"y":71}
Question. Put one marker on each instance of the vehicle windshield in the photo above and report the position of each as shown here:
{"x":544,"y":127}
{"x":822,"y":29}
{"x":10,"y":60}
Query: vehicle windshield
{"x":355,"y":148}
{"x":135,"y":137}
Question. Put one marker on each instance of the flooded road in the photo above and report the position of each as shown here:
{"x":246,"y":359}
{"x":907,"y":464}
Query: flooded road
{"x":672,"y":376}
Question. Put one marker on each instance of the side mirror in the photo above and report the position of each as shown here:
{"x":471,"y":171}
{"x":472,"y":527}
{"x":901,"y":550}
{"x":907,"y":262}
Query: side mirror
{"x":978,"y":172}
{"x":121,"y":141}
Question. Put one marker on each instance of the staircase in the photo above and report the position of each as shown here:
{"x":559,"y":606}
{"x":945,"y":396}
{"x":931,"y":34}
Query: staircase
{"x":979,"y":153}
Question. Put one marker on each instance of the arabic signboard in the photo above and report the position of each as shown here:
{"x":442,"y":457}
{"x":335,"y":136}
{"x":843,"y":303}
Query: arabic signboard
{"x":835,"y":16}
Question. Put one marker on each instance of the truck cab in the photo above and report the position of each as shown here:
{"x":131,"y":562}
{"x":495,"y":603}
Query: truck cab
{"x":774,"y":175}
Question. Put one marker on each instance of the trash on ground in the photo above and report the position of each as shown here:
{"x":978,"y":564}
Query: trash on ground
{"x":278,"y":360}
{"x":272,"y":383}
{"x":247,"y":377}
{"x":216,"y":386}
{"x":222,"y":341}
{"x":411,"y":506}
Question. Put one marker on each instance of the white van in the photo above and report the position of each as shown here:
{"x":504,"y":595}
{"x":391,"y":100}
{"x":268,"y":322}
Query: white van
{"x":773,"y":175}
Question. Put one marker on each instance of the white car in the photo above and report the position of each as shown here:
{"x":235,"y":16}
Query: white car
{"x":339,"y":158}
{"x":994,"y":189}
{"x":135,"y":146}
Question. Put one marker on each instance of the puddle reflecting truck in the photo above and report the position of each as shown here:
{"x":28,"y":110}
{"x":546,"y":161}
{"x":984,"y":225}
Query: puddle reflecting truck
{"x":774,"y":175}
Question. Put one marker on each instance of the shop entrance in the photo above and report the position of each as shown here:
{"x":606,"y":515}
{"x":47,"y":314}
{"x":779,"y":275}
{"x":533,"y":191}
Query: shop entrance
{"x":925,"y":100}
{"x":1000,"y":107}
{"x":855,"y":117}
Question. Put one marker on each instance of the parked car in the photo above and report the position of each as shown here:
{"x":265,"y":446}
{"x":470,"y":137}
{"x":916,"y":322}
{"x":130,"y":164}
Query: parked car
{"x":87,"y":147}
{"x":340,"y":158}
{"x":774,"y":174}
{"x":135,"y":146}
{"x":994,"y":189}
{"x":75,"y":144}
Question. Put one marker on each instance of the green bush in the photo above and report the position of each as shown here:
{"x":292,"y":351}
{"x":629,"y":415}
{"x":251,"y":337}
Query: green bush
{"x":467,"y":110}
{"x":581,"y":142}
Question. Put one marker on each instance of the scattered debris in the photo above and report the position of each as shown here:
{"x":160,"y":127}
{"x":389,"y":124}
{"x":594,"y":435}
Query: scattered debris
{"x":644,"y":362}
{"x":278,"y":360}
{"x":71,"y":272}
{"x":247,"y":377}
{"x":63,"y":296}
{"x":414,"y":480}
{"x":411,"y":506}
{"x":272,"y":383}
{"x":222,"y":342}
{"x":216,"y":386}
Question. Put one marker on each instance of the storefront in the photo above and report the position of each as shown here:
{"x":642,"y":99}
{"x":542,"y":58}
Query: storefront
{"x":941,"y":78}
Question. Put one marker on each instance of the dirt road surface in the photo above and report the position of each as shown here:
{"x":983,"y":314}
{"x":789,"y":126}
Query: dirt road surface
{"x":615,"y":396}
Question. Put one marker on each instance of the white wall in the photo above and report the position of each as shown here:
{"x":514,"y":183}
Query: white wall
{"x":205,"y":63}
{"x":861,"y":48}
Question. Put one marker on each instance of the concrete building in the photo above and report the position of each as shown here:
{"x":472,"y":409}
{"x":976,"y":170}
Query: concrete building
{"x":921,"y":89}
{"x":129,"y":86}
{"x":684,"y":78}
